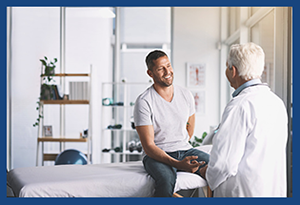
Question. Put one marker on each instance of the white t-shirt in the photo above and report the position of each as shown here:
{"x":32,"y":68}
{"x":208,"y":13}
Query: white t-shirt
{"x":169,"y":119}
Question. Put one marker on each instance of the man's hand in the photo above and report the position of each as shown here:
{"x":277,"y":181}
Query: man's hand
{"x":203,"y":172}
{"x":189,"y":164}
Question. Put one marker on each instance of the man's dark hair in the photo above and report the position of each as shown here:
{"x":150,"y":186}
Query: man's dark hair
{"x":153,"y":55}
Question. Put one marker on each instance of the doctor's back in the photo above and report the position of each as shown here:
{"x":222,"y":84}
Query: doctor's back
{"x":248,"y":157}
{"x":261,"y":170}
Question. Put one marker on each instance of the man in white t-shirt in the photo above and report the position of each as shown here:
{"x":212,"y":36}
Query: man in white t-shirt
{"x":164,"y":117}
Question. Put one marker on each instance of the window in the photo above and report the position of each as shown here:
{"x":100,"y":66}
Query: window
{"x":262,"y":33}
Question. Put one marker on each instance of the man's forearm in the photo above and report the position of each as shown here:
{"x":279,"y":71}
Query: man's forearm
{"x":159,"y":155}
{"x":146,"y":134}
{"x":188,"y":164}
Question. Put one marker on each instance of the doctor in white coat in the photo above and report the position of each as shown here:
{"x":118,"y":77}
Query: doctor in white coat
{"x":248,"y":156}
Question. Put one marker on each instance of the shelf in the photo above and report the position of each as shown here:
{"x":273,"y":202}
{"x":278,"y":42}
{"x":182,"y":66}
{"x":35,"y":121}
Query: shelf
{"x":62,"y":138}
{"x":123,"y":93}
{"x":125,"y":129}
{"x":121,"y":106}
{"x":68,"y":75}
{"x":126,"y":152}
{"x":49,"y":157}
{"x":53,"y":139}
{"x":52,"y":156}
{"x":128,"y":83}
{"x":64,"y":102}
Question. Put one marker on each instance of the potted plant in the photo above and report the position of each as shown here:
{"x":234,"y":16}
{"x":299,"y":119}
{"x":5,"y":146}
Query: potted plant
{"x":49,"y":66}
{"x":46,"y":88}
{"x":198,"y":141}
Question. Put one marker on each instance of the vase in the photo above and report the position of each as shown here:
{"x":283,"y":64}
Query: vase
{"x":49,"y":70}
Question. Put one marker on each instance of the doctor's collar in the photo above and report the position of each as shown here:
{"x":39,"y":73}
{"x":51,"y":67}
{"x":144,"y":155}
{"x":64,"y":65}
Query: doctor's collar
{"x":245,"y":85}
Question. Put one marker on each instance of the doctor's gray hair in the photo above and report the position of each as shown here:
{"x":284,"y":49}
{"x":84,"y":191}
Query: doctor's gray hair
{"x":248,"y":59}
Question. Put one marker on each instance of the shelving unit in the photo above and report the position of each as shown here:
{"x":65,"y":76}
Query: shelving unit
{"x":126,"y":94}
{"x":61,"y":139}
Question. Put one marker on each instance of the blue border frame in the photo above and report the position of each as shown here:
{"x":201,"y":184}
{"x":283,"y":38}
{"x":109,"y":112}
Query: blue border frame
{"x":185,"y":3}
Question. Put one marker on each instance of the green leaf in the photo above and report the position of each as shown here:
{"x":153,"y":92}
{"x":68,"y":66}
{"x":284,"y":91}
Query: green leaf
{"x":204,"y":135}
{"x":55,"y":60}
{"x":197,"y":139}
{"x":45,"y":57}
{"x":44,"y":62}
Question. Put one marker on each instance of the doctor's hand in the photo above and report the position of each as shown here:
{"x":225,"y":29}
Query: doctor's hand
{"x":189,"y":164}
{"x":203,"y":171}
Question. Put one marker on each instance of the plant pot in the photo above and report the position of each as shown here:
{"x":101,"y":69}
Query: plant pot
{"x":49,"y":70}
{"x":46,"y":92}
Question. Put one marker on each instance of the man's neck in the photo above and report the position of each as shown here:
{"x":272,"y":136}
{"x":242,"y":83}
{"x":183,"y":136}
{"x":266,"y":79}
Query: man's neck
{"x":165,"y":92}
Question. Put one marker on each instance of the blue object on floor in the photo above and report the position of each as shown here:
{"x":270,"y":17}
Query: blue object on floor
{"x":71,"y":156}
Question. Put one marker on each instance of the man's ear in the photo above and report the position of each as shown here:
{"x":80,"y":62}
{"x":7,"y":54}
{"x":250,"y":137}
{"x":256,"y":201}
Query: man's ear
{"x":149,"y":72}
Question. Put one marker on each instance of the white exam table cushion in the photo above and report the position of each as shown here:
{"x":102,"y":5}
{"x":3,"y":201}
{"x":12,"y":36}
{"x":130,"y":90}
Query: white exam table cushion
{"x":128,"y":179}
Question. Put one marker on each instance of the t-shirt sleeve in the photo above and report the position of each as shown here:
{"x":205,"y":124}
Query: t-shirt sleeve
{"x":142,"y":113}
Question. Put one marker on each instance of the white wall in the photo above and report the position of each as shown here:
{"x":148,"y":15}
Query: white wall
{"x":35,"y":33}
{"x":196,"y":32}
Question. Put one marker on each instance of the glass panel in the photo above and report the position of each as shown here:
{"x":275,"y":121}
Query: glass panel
{"x":262,"y":34}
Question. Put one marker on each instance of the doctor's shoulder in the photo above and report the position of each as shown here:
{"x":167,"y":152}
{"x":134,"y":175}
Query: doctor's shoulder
{"x":237,"y":104}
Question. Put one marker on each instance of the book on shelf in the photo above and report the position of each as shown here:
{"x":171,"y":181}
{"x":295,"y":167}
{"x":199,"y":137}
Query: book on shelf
{"x":57,"y":94}
{"x":78,"y":90}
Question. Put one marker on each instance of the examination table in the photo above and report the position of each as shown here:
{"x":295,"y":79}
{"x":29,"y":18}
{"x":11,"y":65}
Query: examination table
{"x":127,"y":179}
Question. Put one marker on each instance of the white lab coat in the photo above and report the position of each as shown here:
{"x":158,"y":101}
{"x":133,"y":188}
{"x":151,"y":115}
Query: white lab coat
{"x":248,"y":156}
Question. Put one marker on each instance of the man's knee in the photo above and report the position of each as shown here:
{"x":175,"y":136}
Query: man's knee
{"x":202,"y":156}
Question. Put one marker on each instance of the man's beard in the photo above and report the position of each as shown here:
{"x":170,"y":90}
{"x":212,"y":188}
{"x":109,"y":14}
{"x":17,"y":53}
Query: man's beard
{"x":166,"y":83}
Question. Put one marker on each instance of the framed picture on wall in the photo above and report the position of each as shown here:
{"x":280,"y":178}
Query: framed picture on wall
{"x":47,"y":130}
{"x":195,"y":73}
{"x":199,"y":97}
